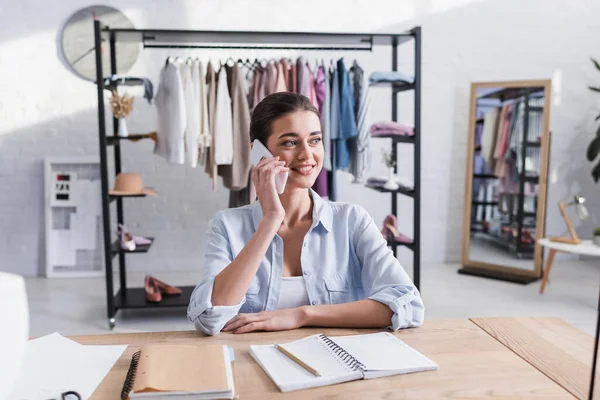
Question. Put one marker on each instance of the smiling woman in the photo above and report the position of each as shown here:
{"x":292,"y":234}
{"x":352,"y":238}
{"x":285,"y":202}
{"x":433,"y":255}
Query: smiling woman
{"x":293,"y":259}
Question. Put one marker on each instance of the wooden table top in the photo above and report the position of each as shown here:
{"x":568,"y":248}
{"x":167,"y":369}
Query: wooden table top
{"x":479,"y":358}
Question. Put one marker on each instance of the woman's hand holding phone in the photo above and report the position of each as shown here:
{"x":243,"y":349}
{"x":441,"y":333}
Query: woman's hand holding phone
{"x":263,"y":177}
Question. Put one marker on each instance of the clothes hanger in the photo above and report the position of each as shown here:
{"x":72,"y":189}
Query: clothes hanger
{"x":230,"y":59}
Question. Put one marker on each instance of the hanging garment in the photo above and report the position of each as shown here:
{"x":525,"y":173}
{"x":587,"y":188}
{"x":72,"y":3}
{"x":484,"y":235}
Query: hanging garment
{"x":271,"y":79}
{"x":321,"y":183}
{"x":280,"y":85}
{"x":235,"y":175}
{"x":357,"y":85}
{"x":311,"y":87}
{"x":205,"y":136}
{"x":245,"y":196}
{"x":501,"y":144}
{"x":191,"y":88}
{"x":322,"y":86}
{"x":303,"y":82}
{"x":488,"y":137}
{"x":293,"y":78}
{"x":223,"y":122}
{"x":256,"y":86}
{"x":360,"y":162}
{"x":171,"y":116}
{"x":335,"y":120}
{"x":285,"y":65}
{"x":211,"y":88}
{"x":347,"y":121}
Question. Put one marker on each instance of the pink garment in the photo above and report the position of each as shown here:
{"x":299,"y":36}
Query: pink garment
{"x":311,"y":85}
{"x":320,"y":88}
{"x":286,"y":73}
{"x":259,"y":86}
{"x":391,"y":128}
{"x":502,"y":143}
{"x":293,"y":79}
{"x":280,"y":85}
{"x":270,"y":79}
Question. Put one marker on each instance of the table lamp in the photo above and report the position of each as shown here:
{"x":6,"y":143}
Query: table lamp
{"x":14,"y":333}
{"x":582,"y":212}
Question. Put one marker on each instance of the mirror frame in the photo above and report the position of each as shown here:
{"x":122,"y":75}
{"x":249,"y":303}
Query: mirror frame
{"x":503,"y":272}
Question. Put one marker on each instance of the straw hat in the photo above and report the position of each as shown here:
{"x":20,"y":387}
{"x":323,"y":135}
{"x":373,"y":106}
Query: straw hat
{"x":130,"y":184}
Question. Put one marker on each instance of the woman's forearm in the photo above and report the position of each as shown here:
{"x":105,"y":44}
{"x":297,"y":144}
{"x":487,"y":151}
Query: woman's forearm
{"x":357,"y":314}
{"x":232,"y":283}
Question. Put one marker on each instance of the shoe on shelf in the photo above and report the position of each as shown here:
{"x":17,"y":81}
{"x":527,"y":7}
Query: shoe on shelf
{"x":153,"y":294}
{"x":390,"y":232}
{"x":138,"y":240}
{"x":126,"y":241}
{"x":164,"y":288}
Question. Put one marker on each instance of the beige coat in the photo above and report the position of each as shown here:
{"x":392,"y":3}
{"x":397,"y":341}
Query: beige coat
{"x":235,"y":176}
{"x":211,"y":88}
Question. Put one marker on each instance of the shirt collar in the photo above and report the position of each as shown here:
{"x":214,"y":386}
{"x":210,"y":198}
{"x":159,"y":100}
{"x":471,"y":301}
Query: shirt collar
{"x":322,"y":212}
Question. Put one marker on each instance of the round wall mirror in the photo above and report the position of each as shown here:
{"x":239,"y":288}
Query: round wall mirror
{"x":77,"y":42}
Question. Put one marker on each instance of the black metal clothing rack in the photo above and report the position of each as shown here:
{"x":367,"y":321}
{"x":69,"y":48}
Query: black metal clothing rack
{"x":518,"y":217}
{"x":127,"y":298}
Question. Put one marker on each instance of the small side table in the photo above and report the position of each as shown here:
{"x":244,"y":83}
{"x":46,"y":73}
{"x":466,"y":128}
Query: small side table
{"x":586,"y":247}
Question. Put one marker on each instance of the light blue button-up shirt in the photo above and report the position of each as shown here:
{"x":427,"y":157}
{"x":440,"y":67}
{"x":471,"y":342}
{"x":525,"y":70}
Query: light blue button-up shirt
{"x":344,"y":258}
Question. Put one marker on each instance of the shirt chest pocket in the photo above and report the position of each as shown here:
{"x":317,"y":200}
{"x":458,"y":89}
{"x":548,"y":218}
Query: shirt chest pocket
{"x":339,"y":290}
{"x":253,"y":297}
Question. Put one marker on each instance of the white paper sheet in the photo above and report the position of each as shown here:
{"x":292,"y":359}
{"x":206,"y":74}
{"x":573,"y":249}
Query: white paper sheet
{"x":84,"y":229}
{"x":62,"y":250}
{"x":87,"y":197}
{"x":54,"y":364}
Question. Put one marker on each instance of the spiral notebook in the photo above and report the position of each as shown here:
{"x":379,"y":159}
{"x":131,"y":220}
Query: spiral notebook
{"x":180,"y":372}
{"x":339,"y":359}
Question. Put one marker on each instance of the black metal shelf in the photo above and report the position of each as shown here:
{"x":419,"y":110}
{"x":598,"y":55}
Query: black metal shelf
{"x":394,"y":243}
{"x":396,"y":138}
{"x":112,"y":197}
{"x":484,"y":203}
{"x":533,"y":144}
{"x":116,"y":248}
{"x":127,"y":82}
{"x":136,"y":298}
{"x":485,"y":176}
{"x":397,"y":87}
{"x":116,"y":140}
{"x":402,"y":190}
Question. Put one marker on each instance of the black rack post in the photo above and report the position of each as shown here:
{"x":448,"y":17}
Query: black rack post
{"x":118,"y":170}
{"x":104,"y":176}
{"x":417,"y":159}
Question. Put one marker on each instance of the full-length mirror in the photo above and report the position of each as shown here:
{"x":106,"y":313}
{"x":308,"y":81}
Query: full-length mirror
{"x":505,"y":194}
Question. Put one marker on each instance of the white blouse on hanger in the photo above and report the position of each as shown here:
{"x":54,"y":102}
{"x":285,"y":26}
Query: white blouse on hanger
{"x":223,"y":122}
{"x":171,"y":115}
{"x":191,"y":83}
{"x":205,"y":138}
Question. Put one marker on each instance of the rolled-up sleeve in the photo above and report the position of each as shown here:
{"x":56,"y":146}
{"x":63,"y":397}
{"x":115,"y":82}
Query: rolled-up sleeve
{"x":217,"y":255}
{"x":383,"y":278}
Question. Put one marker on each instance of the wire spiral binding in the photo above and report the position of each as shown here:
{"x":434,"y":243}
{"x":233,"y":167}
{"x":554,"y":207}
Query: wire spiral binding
{"x":343,"y":355}
{"x":128,"y":384}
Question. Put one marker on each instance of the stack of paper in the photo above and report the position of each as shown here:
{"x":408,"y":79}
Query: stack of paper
{"x":54,"y":365}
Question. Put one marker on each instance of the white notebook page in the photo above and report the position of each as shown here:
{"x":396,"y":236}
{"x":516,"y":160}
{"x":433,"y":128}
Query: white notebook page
{"x":384,"y":352}
{"x":288,"y":375}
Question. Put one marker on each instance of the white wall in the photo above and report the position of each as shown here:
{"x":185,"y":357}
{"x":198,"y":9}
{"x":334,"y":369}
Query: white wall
{"x":47,"y":111}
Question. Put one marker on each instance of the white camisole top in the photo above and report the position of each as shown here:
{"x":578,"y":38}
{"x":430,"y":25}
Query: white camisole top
{"x":293,"y":292}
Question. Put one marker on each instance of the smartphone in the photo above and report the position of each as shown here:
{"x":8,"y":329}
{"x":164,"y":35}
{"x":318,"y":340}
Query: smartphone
{"x":258,"y":152}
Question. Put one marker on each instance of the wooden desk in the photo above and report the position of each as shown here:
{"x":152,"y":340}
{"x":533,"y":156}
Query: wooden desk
{"x":480,"y":358}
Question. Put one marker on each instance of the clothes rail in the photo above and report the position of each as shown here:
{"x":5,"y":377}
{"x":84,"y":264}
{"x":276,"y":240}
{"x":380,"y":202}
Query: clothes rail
{"x":127,"y":298}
